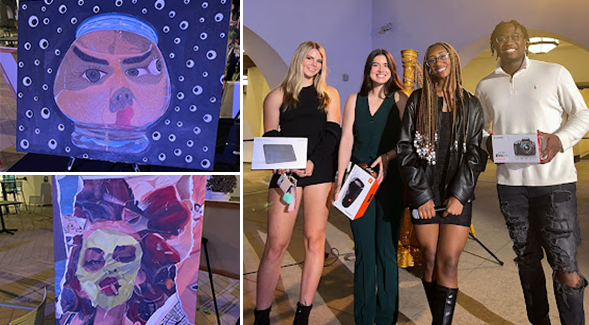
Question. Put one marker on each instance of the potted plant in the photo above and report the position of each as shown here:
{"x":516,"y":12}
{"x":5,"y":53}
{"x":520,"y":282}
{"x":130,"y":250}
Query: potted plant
{"x":219,"y":187}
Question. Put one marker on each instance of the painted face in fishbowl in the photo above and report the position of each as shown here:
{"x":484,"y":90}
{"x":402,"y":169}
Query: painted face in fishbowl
{"x":113,"y":83}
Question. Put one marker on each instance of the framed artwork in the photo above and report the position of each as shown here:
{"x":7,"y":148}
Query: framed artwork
{"x":127,"y":249}
{"x":135,"y":81}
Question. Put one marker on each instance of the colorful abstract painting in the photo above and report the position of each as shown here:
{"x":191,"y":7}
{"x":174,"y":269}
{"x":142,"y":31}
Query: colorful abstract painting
{"x":127,"y":249}
{"x":122,"y":80}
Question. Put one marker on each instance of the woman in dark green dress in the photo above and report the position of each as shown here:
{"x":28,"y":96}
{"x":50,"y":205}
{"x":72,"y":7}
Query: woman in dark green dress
{"x":371,"y":128}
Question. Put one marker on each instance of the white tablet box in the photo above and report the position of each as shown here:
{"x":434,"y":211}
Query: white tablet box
{"x":279,"y":153}
{"x":517,"y":148}
{"x":356,"y":193}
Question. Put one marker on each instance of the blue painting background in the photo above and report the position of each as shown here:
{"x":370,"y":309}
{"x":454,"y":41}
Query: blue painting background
{"x":185,"y":136}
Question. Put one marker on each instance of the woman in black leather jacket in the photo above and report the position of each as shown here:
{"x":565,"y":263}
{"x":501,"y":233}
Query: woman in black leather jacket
{"x":440,"y":158}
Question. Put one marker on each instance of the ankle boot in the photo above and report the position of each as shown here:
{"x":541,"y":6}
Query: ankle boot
{"x":444,"y":303}
{"x":262,"y":316}
{"x":430,"y":292}
{"x":302,"y":314}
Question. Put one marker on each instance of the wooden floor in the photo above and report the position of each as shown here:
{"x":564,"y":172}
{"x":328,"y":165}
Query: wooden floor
{"x":26,"y":266}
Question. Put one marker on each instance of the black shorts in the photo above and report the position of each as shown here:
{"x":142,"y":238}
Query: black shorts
{"x":324,"y":173}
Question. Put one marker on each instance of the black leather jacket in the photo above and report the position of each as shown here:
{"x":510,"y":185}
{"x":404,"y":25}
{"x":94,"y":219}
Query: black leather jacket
{"x":464,"y":165}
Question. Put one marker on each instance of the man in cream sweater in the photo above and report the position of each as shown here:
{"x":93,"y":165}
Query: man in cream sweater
{"x":538,"y":201}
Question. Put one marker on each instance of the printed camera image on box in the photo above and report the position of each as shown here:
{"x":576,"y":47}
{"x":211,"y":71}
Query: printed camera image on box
{"x":517,"y":148}
{"x":356,"y":193}
{"x":279,"y":153}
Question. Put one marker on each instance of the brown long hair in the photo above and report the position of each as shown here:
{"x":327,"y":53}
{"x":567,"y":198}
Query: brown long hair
{"x":392,"y":85}
{"x":427,"y":115}
{"x":293,"y":81}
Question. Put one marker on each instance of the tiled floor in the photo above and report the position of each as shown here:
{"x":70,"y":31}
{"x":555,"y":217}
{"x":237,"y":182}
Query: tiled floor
{"x":26,"y":266}
{"x":489,"y":293}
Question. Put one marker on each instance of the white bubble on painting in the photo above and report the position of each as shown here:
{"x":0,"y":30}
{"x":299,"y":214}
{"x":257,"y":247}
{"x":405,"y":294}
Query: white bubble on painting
{"x":183,"y":25}
{"x":178,"y":152}
{"x":180,"y":96}
{"x":177,"y":40}
{"x":74,"y":20}
{"x":161,"y":156}
{"x":96,"y":9}
{"x":21,"y":128}
{"x":179,"y":124}
{"x":45,"y":113}
{"x":188,"y":159}
{"x":218,"y":17}
{"x":46,"y":21}
{"x":172,"y":14}
{"x":205,"y":5}
{"x":190,"y":63}
{"x":27,"y":81}
{"x":205,"y":163}
{"x":205,"y":74}
{"x":172,"y":137}
{"x":196,"y":130}
{"x":33,"y":21}
{"x":61,"y":127}
{"x":52,"y":144}
{"x":207,"y":118}
{"x":119,"y":3}
{"x":27,"y":46}
{"x":160,"y":4}
{"x":24,"y":143}
{"x":203,"y":36}
{"x":189,"y":143}
{"x":156,"y":135}
{"x":37,"y":131}
{"x":197,"y":90}
{"x":166,"y":29}
{"x":193,"y":108}
{"x":211,"y":55}
{"x":67,"y":149}
{"x":43,"y":44}
{"x":62,"y":9}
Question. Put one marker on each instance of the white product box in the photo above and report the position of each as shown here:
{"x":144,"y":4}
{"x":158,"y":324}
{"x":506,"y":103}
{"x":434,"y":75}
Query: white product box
{"x":279,"y":153}
{"x":356,"y":193}
{"x":517,"y":148}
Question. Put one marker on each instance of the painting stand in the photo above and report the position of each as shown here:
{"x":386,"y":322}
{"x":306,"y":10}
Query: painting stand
{"x":204,"y":242}
{"x":472,"y":236}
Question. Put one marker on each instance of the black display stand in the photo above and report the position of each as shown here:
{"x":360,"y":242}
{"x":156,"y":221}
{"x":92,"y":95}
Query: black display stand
{"x":204,"y":242}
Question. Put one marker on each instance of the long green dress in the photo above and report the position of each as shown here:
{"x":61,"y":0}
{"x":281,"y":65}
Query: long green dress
{"x":376,"y":233}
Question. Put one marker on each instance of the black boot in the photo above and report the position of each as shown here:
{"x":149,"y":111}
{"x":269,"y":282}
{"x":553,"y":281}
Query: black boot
{"x":430,"y":292}
{"x":302,"y":314}
{"x":444,"y":303}
{"x":570,"y":302}
{"x":262,"y":316}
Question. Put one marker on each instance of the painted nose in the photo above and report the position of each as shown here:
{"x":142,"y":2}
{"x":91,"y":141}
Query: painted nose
{"x":120,"y":99}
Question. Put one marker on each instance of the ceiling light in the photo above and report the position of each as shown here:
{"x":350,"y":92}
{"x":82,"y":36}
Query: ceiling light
{"x":542,"y":44}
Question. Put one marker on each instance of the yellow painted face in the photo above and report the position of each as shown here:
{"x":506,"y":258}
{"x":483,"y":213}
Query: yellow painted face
{"x":113,"y":78}
{"x":107,"y":267}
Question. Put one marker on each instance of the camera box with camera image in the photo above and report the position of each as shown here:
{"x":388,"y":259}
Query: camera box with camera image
{"x":517,"y":148}
{"x":356,"y":192}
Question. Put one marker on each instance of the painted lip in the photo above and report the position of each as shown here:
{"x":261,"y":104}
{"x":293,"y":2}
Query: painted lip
{"x":109,"y":286}
{"x":124,"y":116}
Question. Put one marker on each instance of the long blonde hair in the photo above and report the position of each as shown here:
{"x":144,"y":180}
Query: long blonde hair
{"x":293,"y":81}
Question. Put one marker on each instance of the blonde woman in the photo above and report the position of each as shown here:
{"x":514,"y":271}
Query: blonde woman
{"x":440,"y":157}
{"x":302,"y":106}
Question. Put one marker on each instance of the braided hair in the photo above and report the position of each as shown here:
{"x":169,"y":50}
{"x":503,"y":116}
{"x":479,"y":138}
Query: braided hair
{"x":495,"y":34}
{"x":427,"y":112}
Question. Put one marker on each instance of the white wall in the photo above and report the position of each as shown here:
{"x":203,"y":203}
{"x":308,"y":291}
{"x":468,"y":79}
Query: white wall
{"x":467,"y":24}
{"x":342,"y":27}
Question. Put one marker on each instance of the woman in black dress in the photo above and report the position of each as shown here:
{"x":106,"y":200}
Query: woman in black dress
{"x":440,"y":157}
{"x":302,"y":106}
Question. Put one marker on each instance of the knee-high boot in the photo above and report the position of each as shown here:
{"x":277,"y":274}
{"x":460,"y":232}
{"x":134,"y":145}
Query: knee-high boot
{"x":262,"y":317}
{"x":444,"y":303}
{"x":430,"y":292}
{"x":302,"y":314}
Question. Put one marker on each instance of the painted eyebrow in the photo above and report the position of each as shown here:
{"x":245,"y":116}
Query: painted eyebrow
{"x":88,"y":58}
{"x":137,"y":59}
